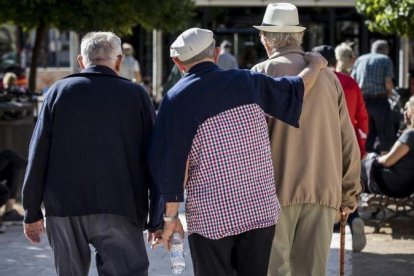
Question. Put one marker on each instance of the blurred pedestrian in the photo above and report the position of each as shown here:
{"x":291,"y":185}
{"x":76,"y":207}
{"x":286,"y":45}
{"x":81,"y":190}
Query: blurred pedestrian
{"x":226,"y":60}
{"x":12,"y":166}
{"x":211,"y":138}
{"x":345,"y":58}
{"x":359,"y":118}
{"x":374,"y":73}
{"x":130,"y":68}
{"x":87,"y":165}
{"x":316,"y":166}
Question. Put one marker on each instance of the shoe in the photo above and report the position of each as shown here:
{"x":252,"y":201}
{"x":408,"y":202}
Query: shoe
{"x":359,"y":240}
{"x":12,"y":218}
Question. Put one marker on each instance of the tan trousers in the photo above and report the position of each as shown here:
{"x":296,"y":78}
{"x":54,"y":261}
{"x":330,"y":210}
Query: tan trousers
{"x":302,"y":241}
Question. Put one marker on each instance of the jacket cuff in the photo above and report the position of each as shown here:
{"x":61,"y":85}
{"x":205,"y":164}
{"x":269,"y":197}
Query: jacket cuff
{"x":155,"y":227}
{"x":32,"y":216}
{"x":173,"y":197}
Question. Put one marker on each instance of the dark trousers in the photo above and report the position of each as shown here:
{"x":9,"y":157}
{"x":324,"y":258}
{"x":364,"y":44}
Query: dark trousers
{"x":119,"y":245}
{"x":10,"y":166}
{"x":245,"y":254}
{"x":381,"y":124}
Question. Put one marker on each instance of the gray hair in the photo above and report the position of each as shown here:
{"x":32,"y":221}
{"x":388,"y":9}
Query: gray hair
{"x":279,"y":40}
{"x":206,"y":53}
{"x":380,"y":47}
{"x":345,"y":57}
{"x":100,"y":48}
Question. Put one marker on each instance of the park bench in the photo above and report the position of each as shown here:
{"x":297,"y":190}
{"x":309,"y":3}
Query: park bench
{"x":387,"y":208}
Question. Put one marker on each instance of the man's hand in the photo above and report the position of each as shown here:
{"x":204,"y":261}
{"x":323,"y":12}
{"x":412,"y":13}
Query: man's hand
{"x":33,"y":230}
{"x":171,"y":227}
{"x":348,"y":210}
{"x":315,"y":59}
{"x":155,"y":238}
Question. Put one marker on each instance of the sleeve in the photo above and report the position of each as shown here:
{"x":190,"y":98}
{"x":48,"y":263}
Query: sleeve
{"x":168,"y":151}
{"x":280,"y":98}
{"x":407,"y":138}
{"x":34,"y":181}
{"x":156,"y":206}
{"x":351,"y":167}
{"x":389,"y":68}
{"x":136,"y":66}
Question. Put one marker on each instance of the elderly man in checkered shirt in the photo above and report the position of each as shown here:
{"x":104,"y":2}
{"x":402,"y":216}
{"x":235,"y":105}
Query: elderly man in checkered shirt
{"x":211,"y":138}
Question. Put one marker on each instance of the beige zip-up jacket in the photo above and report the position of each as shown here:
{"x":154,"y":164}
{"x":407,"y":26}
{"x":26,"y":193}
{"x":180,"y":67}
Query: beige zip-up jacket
{"x":318,"y":163}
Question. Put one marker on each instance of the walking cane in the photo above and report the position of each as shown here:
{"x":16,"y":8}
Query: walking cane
{"x":344,"y":217}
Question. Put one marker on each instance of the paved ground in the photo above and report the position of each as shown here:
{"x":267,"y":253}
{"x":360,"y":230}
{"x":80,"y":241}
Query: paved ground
{"x":388,"y":253}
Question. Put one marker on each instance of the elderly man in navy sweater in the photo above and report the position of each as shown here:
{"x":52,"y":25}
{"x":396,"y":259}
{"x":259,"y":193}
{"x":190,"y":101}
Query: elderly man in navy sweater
{"x":87,"y":166}
{"x":211,"y":138}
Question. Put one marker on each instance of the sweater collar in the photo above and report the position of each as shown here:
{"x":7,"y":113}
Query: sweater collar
{"x":205,"y":66}
{"x":99,"y":69}
{"x":287,"y":50}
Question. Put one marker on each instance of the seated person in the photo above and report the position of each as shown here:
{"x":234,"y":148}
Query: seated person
{"x":10,"y":166}
{"x":392,"y":174}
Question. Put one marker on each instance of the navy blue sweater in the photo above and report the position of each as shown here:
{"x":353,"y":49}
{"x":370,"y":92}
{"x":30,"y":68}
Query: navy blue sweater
{"x":87,"y":154}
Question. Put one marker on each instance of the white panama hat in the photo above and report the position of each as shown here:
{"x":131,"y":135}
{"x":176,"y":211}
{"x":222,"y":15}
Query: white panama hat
{"x":281,"y":18}
{"x":190,"y":43}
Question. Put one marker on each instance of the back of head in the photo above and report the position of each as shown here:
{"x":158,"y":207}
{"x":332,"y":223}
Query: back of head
{"x":9,"y":80}
{"x":100,"y":48}
{"x":345,"y":57}
{"x":277,"y":40}
{"x":225,"y":45}
{"x":327,"y":52}
{"x":193,"y":45}
{"x":380,"y":47}
{"x":127,"y":49}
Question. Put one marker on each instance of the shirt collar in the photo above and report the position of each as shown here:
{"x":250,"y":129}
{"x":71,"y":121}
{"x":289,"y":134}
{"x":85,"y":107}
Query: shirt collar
{"x":100,"y":69}
{"x":287,"y":50}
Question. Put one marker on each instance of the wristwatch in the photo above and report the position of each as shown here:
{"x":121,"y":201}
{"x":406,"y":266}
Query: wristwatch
{"x":171,"y":218}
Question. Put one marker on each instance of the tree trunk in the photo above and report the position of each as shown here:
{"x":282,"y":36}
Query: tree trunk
{"x":18,"y":45}
{"x":40,"y":31}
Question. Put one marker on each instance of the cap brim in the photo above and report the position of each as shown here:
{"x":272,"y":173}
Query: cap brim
{"x":281,"y":29}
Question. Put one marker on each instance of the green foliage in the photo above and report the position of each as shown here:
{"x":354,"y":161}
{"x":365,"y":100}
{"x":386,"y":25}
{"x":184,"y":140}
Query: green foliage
{"x":91,"y":15}
{"x":388,"y":16}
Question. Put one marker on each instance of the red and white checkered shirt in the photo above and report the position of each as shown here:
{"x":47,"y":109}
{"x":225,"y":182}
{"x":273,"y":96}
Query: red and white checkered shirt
{"x":231,"y":187}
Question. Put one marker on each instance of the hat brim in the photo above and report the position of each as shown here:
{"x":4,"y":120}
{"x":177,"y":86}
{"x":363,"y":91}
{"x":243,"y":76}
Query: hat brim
{"x":281,"y":29}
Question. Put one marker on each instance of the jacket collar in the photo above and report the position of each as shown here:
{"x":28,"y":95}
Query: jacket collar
{"x":99,"y":69}
{"x":287,"y":50}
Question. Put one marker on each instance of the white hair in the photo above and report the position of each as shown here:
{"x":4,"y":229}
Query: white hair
{"x":280,"y":40}
{"x":205,"y":54}
{"x":345,"y":57}
{"x":100,"y":48}
{"x":380,"y":47}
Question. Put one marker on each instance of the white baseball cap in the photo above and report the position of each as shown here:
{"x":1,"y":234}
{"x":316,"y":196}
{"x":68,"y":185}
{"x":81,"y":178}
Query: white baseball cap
{"x":190,"y":43}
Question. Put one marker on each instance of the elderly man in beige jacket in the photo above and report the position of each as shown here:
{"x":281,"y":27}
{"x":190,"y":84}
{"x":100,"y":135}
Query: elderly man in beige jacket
{"x":317,"y":166}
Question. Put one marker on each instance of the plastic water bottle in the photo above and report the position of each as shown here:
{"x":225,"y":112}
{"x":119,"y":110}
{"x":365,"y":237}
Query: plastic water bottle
{"x":177,"y":254}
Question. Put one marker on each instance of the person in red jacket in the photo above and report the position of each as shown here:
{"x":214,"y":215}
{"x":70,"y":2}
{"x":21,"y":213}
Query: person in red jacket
{"x":356,"y":108}
{"x":359,"y":117}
